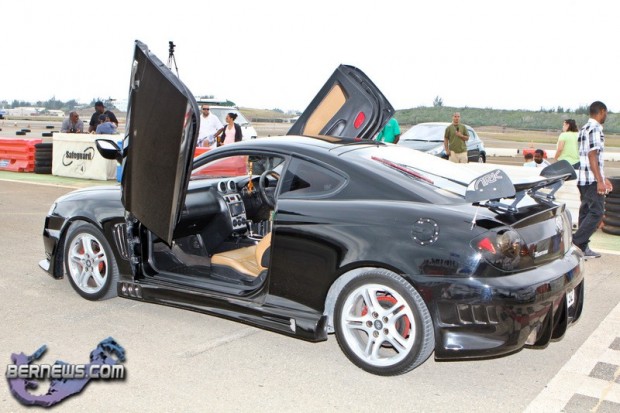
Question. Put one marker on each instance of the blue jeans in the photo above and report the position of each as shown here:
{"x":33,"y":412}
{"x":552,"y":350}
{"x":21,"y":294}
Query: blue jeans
{"x":590,"y":214}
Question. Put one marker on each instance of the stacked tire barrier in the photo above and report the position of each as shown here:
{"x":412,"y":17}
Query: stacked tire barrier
{"x":43,"y":158}
{"x":18,"y":155}
{"x":611,"y":218}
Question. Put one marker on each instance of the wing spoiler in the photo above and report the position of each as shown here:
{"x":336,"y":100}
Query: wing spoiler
{"x":488,"y":189}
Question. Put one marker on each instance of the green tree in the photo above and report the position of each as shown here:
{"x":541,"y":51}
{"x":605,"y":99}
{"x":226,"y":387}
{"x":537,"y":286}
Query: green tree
{"x":583,"y":110}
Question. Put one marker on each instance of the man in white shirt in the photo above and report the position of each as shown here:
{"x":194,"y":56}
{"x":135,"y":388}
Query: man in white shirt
{"x":209,"y":124}
{"x":539,"y":159}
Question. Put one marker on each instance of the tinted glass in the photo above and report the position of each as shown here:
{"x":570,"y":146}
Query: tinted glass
{"x":305,"y":178}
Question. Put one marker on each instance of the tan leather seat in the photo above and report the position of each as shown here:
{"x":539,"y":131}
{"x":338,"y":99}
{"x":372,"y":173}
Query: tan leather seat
{"x":246,"y":260}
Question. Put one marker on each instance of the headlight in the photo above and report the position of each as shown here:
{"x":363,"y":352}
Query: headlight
{"x":436,"y":151}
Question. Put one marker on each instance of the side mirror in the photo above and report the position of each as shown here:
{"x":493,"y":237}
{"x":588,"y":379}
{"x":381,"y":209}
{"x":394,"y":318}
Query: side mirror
{"x":109,"y":149}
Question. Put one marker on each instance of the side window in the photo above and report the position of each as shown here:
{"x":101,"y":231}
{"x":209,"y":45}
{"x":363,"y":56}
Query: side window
{"x":303,"y":178}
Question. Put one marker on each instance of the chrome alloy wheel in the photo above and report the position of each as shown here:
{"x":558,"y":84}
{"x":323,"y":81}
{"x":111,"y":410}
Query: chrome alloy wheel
{"x":87,"y":263}
{"x":378,"y":325}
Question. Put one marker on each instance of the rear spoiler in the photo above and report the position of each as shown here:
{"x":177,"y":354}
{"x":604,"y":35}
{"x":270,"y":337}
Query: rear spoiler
{"x":495,"y":185}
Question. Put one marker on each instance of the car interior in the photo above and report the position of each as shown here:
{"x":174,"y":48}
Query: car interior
{"x":224,"y":232}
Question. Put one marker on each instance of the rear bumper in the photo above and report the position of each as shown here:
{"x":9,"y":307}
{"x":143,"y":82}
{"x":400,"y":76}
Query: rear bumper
{"x":486,"y":317}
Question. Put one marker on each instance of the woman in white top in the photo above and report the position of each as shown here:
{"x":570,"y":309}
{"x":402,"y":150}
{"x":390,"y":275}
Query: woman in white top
{"x":229,"y":133}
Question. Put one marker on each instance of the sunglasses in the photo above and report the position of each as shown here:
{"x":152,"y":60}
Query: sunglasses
{"x":205,"y":108}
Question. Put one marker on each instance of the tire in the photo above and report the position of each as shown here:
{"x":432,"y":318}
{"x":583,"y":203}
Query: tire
{"x":612,"y":201}
{"x":49,"y":127}
{"x":89,"y":262}
{"x":611,"y":220}
{"x":46,"y":158}
{"x":615,"y":181}
{"x":47,"y":170}
{"x":47,"y":134}
{"x":20,"y":133}
{"x":47,"y":164}
{"x":614,"y":209}
{"x":482,"y":158}
{"x":610,"y":229}
{"x":356,"y":322}
{"x":39,"y":146}
{"x":26,"y":130}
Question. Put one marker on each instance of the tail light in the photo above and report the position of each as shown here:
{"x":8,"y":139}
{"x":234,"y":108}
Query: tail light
{"x":502,"y":248}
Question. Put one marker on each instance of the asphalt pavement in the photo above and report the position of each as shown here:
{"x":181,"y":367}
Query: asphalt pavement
{"x":178,"y":360}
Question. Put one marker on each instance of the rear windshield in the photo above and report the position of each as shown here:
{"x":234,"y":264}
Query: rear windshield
{"x":443,"y":176}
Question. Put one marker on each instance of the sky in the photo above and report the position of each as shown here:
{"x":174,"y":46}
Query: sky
{"x":270,"y":54}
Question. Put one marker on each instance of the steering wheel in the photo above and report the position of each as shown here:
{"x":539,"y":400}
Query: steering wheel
{"x":263,"y":184}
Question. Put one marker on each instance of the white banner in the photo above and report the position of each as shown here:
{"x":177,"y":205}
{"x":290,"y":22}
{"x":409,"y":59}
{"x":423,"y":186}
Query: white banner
{"x":75,"y":155}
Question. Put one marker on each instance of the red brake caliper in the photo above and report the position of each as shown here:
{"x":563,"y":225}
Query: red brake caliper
{"x":403,"y":325}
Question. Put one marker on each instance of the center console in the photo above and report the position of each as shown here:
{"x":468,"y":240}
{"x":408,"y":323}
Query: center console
{"x":236,"y":211}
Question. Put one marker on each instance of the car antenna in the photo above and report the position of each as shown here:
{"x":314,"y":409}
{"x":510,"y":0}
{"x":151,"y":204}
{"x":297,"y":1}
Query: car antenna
{"x":171,"y":58}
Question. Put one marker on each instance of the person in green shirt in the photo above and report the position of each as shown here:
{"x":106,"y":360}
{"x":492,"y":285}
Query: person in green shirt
{"x":390,"y":132}
{"x":454,"y":140}
{"x":567,"y":144}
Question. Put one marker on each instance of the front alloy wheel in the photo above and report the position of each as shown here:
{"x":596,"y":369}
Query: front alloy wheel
{"x":382,"y":324}
{"x":90,"y":263}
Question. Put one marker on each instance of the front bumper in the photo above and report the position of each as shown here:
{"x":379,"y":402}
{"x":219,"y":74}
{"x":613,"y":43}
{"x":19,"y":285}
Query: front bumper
{"x":486,"y":317}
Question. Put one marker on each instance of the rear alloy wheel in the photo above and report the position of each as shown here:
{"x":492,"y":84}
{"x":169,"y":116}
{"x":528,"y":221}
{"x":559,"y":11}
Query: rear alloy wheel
{"x":382,"y":324}
{"x":89,"y":262}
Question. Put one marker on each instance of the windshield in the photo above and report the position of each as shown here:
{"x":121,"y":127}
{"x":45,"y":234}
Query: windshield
{"x":425,"y":132}
{"x":222,"y":112}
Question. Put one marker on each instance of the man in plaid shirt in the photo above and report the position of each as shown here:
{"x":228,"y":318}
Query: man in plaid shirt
{"x":592,"y":184}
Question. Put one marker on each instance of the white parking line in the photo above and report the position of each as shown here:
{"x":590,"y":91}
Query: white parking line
{"x":576,"y":376}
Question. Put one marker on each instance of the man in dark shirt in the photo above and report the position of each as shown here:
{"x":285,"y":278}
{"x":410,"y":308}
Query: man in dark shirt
{"x":100,"y":110}
{"x":454,"y":140}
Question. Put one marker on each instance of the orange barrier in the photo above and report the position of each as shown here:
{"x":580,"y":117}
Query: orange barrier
{"x":17,"y":155}
{"x":199,"y":150}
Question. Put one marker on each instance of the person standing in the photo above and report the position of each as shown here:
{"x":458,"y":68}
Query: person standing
{"x":390,"y":132}
{"x":72,"y":124}
{"x":231,"y":132}
{"x":567,"y":148}
{"x":454,"y":140}
{"x":591,"y":181}
{"x":100,"y":110}
{"x":209,"y":125}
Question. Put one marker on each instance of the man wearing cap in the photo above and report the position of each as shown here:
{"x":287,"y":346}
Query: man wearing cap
{"x":100,"y":110}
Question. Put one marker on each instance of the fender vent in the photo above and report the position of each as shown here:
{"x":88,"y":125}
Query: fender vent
{"x":120,"y":239}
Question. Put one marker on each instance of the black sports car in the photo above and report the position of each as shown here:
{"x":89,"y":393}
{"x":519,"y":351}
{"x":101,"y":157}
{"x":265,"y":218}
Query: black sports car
{"x":397,"y":252}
